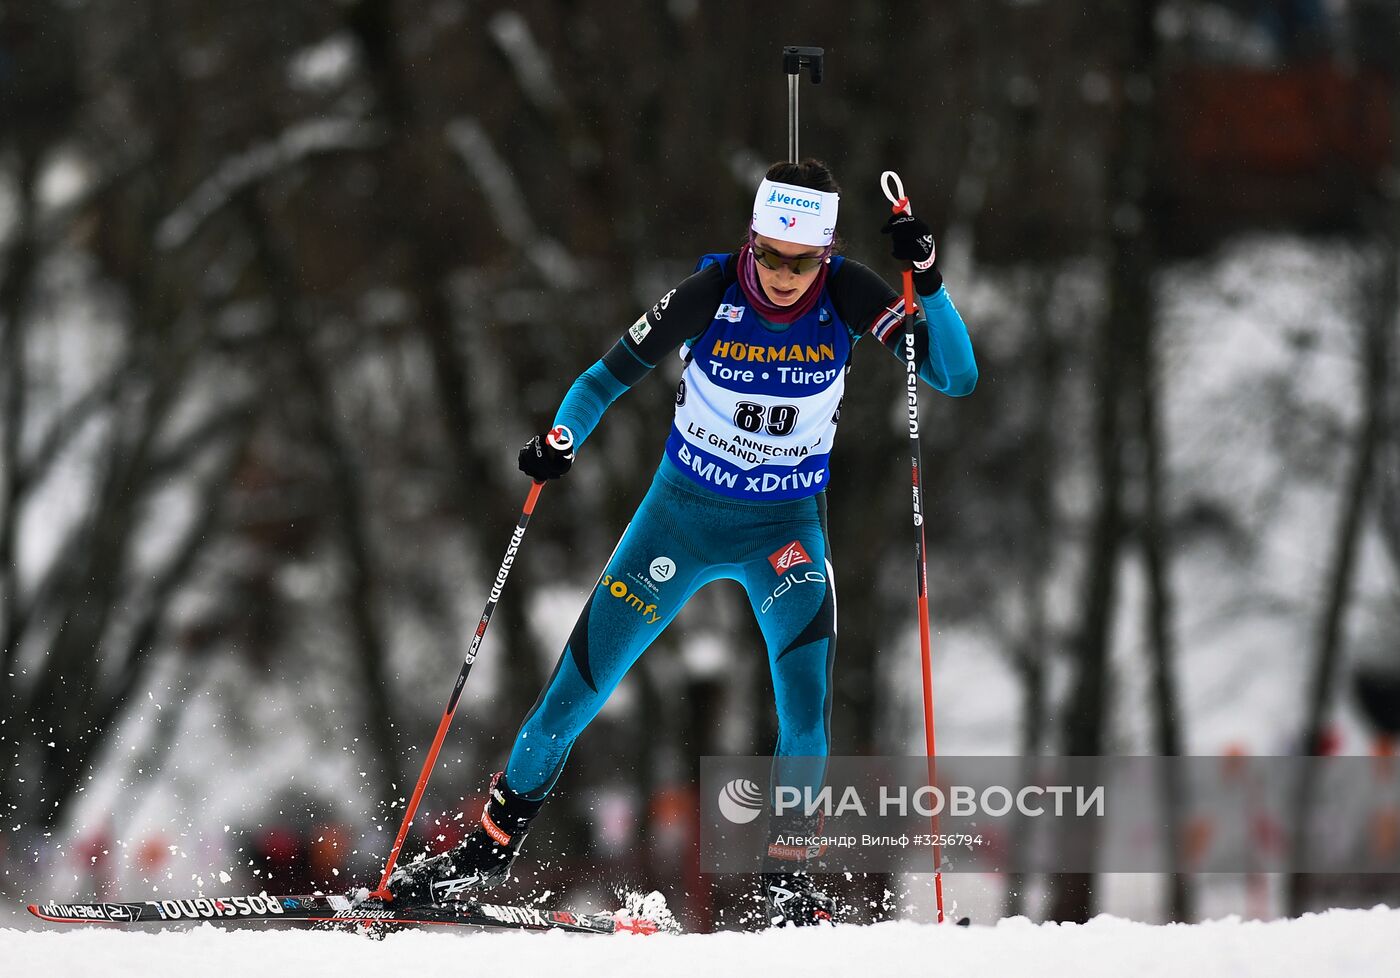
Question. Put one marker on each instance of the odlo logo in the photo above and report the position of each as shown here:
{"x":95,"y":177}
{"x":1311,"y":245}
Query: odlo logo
{"x":788,"y":583}
{"x":740,"y":801}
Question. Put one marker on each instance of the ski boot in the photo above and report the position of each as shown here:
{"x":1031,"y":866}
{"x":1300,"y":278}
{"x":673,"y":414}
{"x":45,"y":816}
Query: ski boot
{"x":790,"y":896}
{"x":793,"y":899}
{"x":481,"y":861}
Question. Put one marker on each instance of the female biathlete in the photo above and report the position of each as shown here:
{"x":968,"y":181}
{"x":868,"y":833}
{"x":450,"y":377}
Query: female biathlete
{"x":740,"y":493}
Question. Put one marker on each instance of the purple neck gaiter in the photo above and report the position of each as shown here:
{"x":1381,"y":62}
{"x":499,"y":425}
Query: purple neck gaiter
{"x":753,"y":291}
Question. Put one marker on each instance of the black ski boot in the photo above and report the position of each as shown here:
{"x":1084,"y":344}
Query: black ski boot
{"x":790,"y":896}
{"x":792,"y":899}
{"x":481,"y":861}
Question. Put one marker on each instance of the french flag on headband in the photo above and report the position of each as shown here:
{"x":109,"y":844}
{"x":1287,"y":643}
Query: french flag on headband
{"x":798,"y":215}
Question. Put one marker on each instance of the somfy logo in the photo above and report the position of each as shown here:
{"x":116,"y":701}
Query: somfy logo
{"x":740,"y":801}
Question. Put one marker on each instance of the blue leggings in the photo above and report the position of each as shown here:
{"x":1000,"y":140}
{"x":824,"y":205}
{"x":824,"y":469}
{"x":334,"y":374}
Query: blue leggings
{"x":681,"y":539}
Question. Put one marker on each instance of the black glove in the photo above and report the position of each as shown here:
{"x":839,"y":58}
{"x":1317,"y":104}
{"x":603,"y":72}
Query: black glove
{"x":912,"y":241}
{"x":540,"y":459}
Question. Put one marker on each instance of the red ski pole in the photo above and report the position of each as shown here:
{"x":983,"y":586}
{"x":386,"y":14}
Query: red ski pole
{"x":894,"y":191}
{"x":561,"y":439}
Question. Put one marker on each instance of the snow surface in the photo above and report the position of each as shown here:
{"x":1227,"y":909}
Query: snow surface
{"x":1335,"y":944}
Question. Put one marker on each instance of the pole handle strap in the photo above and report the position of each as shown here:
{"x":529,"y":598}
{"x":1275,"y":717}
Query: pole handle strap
{"x":894,"y":192}
{"x":560,"y":438}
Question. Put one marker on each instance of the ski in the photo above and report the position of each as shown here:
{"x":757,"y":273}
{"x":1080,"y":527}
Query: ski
{"x":327,"y":908}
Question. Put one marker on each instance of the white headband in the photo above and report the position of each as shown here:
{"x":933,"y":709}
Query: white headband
{"x":798,"y":215}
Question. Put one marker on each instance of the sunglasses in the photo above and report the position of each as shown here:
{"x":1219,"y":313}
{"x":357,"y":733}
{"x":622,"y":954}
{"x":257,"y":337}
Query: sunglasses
{"x":773,"y":261}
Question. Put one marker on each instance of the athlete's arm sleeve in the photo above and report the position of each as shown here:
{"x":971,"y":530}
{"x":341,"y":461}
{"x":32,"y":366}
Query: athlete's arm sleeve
{"x":679,"y":315}
{"x":589,"y":396}
{"x":942,"y":347}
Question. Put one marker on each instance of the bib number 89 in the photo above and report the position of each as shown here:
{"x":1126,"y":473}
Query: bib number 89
{"x":777,"y":419}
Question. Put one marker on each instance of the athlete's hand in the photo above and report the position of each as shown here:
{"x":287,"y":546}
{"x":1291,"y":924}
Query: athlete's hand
{"x":912,"y":241}
{"x":548,"y":456}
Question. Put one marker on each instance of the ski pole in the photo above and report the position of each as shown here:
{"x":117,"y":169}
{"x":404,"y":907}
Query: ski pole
{"x":794,"y":60}
{"x":894,"y":192}
{"x":561,"y":439}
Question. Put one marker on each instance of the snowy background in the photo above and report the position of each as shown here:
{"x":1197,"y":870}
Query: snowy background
{"x":284,"y":288}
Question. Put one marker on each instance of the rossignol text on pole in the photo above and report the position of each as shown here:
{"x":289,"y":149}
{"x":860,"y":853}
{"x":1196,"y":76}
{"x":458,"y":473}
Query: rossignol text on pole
{"x":894,"y":191}
{"x":794,"y":60}
{"x":561,"y":439}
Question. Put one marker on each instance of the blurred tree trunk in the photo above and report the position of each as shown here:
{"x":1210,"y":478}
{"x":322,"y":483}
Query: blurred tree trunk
{"x":1032,"y":653}
{"x":1155,"y":540}
{"x":1129,"y":166}
{"x":1086,"y":712}
{"x":345,"y":493}
{"x":38,"y":98}
{"x":1380,"y":303}
{"x":14,"y":292}
{"x":1153,"y":519}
